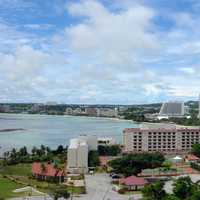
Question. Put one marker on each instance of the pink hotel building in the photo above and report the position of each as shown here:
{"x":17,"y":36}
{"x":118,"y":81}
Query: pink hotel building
{"x":166,"y":138}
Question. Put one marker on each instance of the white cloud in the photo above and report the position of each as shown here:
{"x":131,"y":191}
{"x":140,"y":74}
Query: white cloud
{"x":112,"y":39}
{"x":109,"y":54}
{"x":26,"y":61}
{"x":188,"y":70}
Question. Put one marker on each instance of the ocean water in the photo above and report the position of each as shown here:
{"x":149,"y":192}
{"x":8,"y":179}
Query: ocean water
{"x":55,"y":130}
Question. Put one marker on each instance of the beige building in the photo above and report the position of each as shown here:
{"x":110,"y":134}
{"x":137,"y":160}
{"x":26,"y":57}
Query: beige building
{"x":77,"y":156}
{"x":166,"y":138}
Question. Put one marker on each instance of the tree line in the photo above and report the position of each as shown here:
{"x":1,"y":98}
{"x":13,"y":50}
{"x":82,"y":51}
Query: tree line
{"x":40,"y":154}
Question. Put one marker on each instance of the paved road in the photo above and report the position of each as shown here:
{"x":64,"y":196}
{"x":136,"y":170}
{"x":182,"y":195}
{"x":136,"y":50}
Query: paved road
{"x":99,"y":188}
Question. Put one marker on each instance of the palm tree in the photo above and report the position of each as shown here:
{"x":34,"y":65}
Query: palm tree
{"x":43,"y":167}
{"x":34,"y":150}
{"x":43,"y":149}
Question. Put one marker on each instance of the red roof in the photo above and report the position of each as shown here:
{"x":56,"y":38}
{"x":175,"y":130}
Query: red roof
{"x":191,"y":157}
{"x":50,"y":170}
{"x":133,"y":181}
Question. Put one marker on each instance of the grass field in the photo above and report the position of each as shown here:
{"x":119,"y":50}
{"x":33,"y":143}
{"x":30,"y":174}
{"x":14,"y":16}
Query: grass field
{"x":19,"y":170}
{"x":7,"y":187}
{"x":21,"y":173}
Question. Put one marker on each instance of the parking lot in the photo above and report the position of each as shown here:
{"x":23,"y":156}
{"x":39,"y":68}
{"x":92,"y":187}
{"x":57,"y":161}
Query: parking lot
{"x":99,"y":188}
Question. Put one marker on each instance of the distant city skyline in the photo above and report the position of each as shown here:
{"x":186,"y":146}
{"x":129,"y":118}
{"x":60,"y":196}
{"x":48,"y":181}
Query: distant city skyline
{"x":99,"y":51}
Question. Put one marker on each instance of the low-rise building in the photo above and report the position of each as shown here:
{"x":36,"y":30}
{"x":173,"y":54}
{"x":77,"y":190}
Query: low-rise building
{"x":132,"y":183}
{"x":47,"y":172}
{"x":107,"y":112}
{"x":91,"y":111}
{"x":190,"y":158}
{"x":166,"y":138}
{"x":69,"y":111}
{"x":77,"y":111}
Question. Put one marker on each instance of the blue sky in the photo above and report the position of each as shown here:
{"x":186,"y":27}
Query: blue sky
{"x":99,"y":51}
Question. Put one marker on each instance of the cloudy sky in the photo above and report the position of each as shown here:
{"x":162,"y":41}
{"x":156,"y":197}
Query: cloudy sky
{"x":99,"y":51}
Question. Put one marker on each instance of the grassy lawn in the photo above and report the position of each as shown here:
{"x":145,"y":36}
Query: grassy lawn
{"x":6,"y":188}
{"x":19,"y":169}
{"x":22,"y":174}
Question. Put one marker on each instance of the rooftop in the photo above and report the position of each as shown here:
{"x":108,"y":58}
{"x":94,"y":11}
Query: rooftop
{"x":49,"y":170}
{"x":76,"y":142}
{"x":191,"y":157}
{"x":133,"y":181}
{"x":162,"y":126}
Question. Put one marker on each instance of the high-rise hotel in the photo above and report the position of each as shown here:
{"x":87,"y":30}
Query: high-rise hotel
{"x":166,"y":138}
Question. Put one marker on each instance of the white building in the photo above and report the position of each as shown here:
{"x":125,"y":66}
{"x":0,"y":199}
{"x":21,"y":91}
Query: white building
{"x":106,"y":141}
{"x":172,"y":109}
{"x":90,"y":140}
{"x":77,"y":155}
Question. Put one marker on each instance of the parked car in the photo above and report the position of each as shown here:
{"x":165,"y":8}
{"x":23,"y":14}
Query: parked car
{"x":117,"y":176}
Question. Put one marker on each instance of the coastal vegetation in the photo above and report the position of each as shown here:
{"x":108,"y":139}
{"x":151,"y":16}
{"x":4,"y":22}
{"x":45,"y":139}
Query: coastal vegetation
{"x":41,"y":154}
{"x":16,"y":170}
{"x":132,"y":164}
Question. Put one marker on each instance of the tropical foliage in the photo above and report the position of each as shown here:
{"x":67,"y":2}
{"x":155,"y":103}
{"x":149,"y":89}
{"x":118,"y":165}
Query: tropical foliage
{"x":133,"y":163}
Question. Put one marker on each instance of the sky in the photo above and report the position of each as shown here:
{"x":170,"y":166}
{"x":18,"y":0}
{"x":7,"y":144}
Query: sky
{"x":99,"y":51}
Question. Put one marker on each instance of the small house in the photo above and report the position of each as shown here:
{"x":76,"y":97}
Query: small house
{"x":47,"y":172}
{"x":132,"y":183}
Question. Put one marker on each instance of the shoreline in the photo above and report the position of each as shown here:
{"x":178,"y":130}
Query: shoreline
{"x":80,"y":116}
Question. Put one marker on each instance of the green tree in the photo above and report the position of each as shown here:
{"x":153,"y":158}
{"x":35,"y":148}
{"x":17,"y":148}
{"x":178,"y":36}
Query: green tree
{"x":195,"y":196}
{"x":183,"y":188}
{"x":43,"y":149}
{"x":154,"y":192}
{"x":60,"y":192}
{"x":171,"y":197}
{"x":43,"y":167}
{"x":112,"y":150}
{"x":23,"y":151}
{"x":196,"y":149}
{"x":133,"y":163}
{"x":93,"y":159}
{"x":60,"y":149}
{"x":34,"y":151}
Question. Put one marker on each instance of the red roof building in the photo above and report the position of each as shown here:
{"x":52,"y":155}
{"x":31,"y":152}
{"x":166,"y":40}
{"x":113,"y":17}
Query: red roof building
{"x":133,"y":182}
{"x":191,"y":158}
{"x":47,"y":172}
